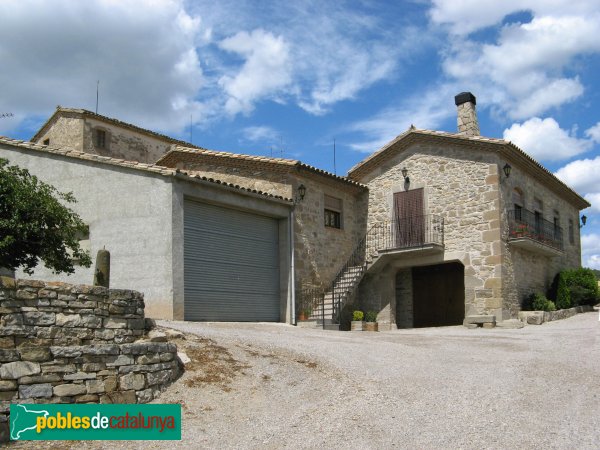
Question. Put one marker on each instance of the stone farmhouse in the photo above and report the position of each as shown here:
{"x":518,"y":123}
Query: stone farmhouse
{"x":431,"y":228}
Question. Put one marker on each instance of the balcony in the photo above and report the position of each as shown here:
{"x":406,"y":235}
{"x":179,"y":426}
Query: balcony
{"x":528,"y":230}
{"x":408,"y":234}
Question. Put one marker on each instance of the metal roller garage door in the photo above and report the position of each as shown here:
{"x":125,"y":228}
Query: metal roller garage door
{"x":231,"y":265}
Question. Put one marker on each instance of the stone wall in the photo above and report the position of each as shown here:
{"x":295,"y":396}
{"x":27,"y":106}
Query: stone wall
{"x":524,"y":271}
{"x":62,"y":343}
{"x":66,"y":131}
{"x":322,"y":251}
{"x":124,"y":144}
{"x":72,"y":130}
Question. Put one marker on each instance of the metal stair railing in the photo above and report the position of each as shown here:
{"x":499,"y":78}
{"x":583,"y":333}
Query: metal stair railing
{"x":409,"y":232}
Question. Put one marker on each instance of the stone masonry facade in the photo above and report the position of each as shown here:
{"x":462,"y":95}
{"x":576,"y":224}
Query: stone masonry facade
{"x":461,"y":185}
{"x":526,"y":272}
{"x":62,"y":343}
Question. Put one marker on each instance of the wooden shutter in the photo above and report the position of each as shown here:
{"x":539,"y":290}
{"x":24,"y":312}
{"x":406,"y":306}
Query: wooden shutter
{"x":409,"y":219}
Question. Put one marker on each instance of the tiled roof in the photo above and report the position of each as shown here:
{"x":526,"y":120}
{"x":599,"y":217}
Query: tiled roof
{"x":506,"y":148}
{"x":177,"y":152}
{"x":151,"y":168}
{"x":85,"y":113}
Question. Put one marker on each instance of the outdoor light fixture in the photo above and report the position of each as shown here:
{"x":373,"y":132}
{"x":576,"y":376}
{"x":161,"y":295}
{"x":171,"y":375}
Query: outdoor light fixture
{"x":583,"y":220}
{"x":301,"y":193}
{"x":506,"y":169}
{"x":405,"y":175}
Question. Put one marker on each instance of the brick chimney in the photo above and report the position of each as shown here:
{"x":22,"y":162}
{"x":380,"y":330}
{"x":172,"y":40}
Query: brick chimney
{"x":467,"y":115}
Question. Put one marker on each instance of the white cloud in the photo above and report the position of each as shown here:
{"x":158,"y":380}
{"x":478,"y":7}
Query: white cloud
{"x":422,"y":111}
{"x":594,"y":199}
{"x":266,"y":70}
{"x":581,"y":175}
{"x":544,"y":140}
{"x":525,"y":66}
{"x":334,"y":51}
{"x":594,"y":133}
{"x":142,"y":51}
{"x":590,"y":246}
{"x":263,"y":134}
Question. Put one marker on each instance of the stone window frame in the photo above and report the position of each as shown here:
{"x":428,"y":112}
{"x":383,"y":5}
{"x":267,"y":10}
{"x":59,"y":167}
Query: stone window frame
{"x":333,"y":214}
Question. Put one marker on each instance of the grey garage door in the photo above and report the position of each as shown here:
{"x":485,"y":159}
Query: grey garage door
{"x":231,"y":265}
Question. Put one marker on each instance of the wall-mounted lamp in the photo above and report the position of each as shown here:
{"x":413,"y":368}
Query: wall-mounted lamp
{"x":300,"y":193}
{"x":506,"y":169}
{"x":405,"y":175}
{"x":583,"y":221}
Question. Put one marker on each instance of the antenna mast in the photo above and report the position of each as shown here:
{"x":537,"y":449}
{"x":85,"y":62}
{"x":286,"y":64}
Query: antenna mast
{"x":97,"y":92}
{"x":334,"y":170}
{"x":191,"y":135}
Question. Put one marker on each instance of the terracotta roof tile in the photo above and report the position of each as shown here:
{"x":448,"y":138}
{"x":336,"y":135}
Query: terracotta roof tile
{"x":162,"y":170}
{"x":366,"y":165}
{"x":178,"y":152}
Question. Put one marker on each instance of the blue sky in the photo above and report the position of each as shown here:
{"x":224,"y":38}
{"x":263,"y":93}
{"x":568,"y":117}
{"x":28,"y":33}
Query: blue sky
{"x":287,"y":78}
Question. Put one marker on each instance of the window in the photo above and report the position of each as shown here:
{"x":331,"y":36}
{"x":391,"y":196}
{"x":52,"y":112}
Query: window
{"x":518,"y":201}
{"x":556,"y":225}
{"x":571,"y":232}
{"x":539,"y":217}
{"x":333,"y":212}
{"x":46,"y":141}
{"x":101,"y":138}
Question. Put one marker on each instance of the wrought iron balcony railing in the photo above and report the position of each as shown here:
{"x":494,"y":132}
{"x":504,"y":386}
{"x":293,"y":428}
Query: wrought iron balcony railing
{"x":407,"y":232}
{"x":524,"y":224}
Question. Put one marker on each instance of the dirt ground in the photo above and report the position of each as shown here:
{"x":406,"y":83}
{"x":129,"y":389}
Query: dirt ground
{"x":275,"y":386}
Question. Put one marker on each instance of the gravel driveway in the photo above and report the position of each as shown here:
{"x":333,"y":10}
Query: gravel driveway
{"x":276,"y":386}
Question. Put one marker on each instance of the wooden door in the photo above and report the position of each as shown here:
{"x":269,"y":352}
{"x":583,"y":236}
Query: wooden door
{"x":409,"y":219}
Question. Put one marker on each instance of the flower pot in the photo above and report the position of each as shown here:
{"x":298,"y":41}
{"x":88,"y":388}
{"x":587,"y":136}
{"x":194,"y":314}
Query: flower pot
{"x":356,"y":325}
{"x":371,"y":326}
{"x":302,"y":316}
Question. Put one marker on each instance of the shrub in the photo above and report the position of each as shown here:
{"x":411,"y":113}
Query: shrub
{"x":357,"y":316}
{"x":538,"y":302}
{"x":371,"y":316}
{"x":562,"y":295}
{"x":582,"y":285}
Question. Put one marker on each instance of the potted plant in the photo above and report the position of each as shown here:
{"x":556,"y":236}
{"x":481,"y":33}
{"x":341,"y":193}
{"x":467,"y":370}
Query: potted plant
{"x":522,"y":229}
{"x":357,"y":321}
{"x":304,"y":314}
{"x":371,"y":321}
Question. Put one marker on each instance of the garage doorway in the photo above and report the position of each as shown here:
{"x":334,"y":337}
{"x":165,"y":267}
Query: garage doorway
{"x":438,"y":295}
{"x":231,"y":265}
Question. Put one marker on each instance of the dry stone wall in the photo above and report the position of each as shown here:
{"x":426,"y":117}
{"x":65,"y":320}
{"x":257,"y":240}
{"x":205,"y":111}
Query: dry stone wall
{"x":61,"y":343}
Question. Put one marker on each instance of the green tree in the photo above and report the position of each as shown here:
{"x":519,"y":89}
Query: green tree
{"x":36,"y":225}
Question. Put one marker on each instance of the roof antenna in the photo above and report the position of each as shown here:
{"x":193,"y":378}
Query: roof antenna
{"x":191,"y":135}
{"x":281,"y":146}
{"x":3,"y":115}
{"x":334,"y":170}
{"x":97,"y":90}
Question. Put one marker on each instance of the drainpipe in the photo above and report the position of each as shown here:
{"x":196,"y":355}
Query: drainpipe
{"x":292,"y":276}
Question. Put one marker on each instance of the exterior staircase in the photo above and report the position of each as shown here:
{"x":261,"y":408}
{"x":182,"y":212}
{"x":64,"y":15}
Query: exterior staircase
{"x":324,"y":306}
